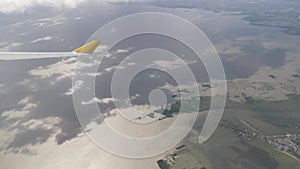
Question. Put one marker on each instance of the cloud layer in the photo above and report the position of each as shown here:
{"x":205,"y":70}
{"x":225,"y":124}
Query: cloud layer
{"x":10,"y":6}
{"x":17,"y":6}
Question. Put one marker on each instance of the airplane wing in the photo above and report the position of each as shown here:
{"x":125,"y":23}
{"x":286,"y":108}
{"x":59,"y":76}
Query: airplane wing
{"x":89,"y":48}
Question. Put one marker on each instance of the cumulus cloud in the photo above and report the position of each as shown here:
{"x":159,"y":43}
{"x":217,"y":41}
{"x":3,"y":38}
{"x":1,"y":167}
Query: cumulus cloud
{"x":97,"y":100}
{"x":19,"y":113}
{"x":62,"y":70}
{"x":75,"y":87}
{"x":172,"y":64}
{"x":47,"y":123}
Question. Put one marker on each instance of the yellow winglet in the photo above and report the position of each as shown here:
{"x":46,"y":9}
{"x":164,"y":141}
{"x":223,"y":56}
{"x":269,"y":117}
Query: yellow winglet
{"x":88,"y":48}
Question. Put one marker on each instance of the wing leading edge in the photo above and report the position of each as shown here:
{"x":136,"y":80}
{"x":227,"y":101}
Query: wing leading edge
{"x":88,"y":48}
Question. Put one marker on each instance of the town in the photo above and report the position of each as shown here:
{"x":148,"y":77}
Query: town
{"x":286,"y":143}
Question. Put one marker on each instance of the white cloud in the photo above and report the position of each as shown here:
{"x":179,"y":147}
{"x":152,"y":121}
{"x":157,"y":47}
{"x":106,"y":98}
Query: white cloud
{"x":78,"y":18}
{"x":52,"y":21}
{"x":23,"y":33}
{"x":94,"y":74}
{"x":10,"y":47}
{"x":109,"y":69}
{"x":272,"y":45}
{"x":47,"y":123}
{"x":121,"y":51}
{"x":118,"y":51}
{"x":20,"y":6}
{"x":131,"y":64}
{"x":135,"y":96}
{"x":42,"y":39}
{"x":62,"y":70}
{"x":75,"y":87}
{"x":97,"y":100}
{"x":1,"y":88}
{"x":101,"y":48}
{"x":108,"y":55}
{"x":172,"y":64}
{"x":15,"y":113}
{"x":11,"y":6}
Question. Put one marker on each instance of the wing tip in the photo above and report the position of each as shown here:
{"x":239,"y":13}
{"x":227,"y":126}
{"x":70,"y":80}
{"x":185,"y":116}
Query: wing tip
{"x":88,"y":48}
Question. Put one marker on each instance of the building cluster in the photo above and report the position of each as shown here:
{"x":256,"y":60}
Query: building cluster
{"x":288,"y":143}
{"x":242,"y":132}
